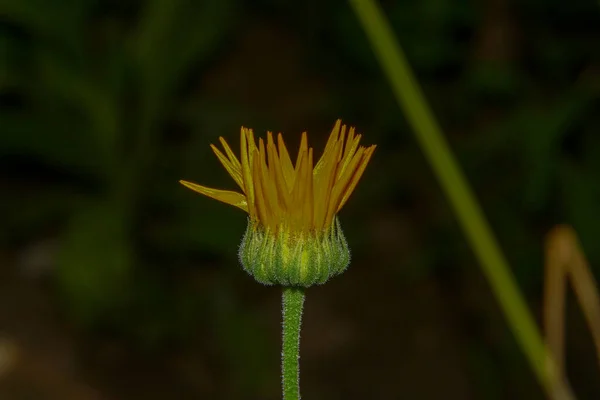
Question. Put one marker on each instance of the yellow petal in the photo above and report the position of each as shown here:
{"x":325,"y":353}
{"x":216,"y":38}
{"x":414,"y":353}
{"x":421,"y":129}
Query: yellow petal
{"x":247,"y":173}
{"x":343,"y":182}
{"x":226,"y":196}
{"x":303,"y":148}
{"x":308,"y":217}
{"x":262,"y":210}
{"x":333,"y":137}
{"x":349,"y":153}
{"x":267,"y":184}
{"x":234,"y":161}
{"x":286,"y":163}
{"x":350,"y":141}
{"x":276,"y":172}
{"x":366,"y":157}
{"x":341,"y":143}
{"x":324,"y":181}
{"x":296,"y":209}
{"x":234,"y":171}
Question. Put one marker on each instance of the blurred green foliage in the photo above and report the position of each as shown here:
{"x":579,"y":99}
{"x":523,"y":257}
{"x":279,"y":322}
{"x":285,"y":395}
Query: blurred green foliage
{"x":89,"y":86}
{"x":105,"y":104}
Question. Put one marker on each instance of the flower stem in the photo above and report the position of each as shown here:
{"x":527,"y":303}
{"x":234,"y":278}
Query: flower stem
{"x":293,"y":302}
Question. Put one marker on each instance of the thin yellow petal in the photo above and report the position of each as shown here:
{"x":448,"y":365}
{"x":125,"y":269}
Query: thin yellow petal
{"x":348,"y":154}
{"x":308,"y":217}
{"x":350,"y":141}
{"x":247,"y":173}
{"x":270,"y":170}
{"x":341,"y":143}
{"x":343,"y":183}
{"x":296,"y":209}
{"x":324,"y":181}
{"x":357,"y":175}
{"x":251,"y":143}
{"x":298,"y":189}
{"x":267,"y":184}
{"x":234,"y":160}
{"x":331,"y":142}
{"x":303,"y":148}
{"x":261,"y":208}
{"x":276,"y":169}
{"x":226,"y":196}
{"x":286,"y":163}
{"x":235,"y":173}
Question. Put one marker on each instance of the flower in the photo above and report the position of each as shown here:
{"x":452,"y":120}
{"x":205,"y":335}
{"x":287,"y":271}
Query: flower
{"x":293,"y":236}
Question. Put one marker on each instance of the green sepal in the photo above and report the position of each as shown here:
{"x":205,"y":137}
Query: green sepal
{"x":292,"y":259}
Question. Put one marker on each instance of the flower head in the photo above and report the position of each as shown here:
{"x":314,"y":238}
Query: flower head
{"x":291,"y":236}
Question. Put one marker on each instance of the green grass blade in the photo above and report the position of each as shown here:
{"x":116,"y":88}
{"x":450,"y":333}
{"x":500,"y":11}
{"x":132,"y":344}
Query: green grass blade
{"x":468,"y":211}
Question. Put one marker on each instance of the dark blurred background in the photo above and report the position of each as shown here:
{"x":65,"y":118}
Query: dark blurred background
{"x":118,"y":283}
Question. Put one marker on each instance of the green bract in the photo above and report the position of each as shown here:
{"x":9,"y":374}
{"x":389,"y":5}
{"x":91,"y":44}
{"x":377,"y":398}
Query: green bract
{"x":292,"y":259}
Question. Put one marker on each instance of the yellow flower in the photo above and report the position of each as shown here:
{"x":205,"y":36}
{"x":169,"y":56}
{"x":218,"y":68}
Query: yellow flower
{"x":291,"y":208}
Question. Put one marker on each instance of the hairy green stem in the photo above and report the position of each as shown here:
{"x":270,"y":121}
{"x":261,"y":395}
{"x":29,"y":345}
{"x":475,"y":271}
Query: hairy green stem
{"x":466,"y":207}
{"x":293,"y":302}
